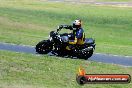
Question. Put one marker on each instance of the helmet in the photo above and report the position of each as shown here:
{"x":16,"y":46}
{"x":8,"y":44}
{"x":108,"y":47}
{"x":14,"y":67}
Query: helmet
{"x":77,"y":24}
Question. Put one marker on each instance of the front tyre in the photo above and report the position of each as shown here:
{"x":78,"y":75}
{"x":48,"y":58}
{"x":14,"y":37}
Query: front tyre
{"x":44,"y":47}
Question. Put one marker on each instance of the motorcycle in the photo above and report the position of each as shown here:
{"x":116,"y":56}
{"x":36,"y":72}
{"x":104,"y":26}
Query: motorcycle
{"x":57,"y":44}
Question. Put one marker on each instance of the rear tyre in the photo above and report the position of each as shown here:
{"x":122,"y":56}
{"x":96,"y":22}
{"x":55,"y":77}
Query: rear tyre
{"x":44,"y":47}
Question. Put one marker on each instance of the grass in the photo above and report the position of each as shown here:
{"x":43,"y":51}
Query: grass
{"x":19,"y":70}
{"x":101,"y":0}
{"x":115,"y":0}
{"x":28,"y":22}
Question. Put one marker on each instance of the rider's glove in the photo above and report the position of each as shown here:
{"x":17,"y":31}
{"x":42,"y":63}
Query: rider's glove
{"x":60,"y":26}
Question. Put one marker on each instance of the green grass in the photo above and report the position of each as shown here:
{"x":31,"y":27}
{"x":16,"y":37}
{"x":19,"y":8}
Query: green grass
{"x":19,"y":70}
{"x":101,"y":0}
{"x":115,"y":0}
{"x":28,"y":22}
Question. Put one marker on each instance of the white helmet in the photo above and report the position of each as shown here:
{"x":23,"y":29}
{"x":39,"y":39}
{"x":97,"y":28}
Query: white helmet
{"x":77,"y":24}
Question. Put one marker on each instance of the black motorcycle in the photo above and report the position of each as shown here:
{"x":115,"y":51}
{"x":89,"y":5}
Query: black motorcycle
{"x":57,"y":44}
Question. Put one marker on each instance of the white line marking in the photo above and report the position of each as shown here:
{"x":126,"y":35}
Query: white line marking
{"x":113,"y":55}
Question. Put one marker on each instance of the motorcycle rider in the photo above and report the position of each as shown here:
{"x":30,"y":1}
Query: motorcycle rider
{"x":78,"y":36}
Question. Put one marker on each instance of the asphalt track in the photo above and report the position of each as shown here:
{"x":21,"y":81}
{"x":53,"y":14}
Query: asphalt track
{"x":94,"y":2}
{"x":113,"y":59}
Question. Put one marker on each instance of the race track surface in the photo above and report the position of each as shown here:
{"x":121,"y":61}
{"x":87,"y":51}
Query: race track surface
{"x":94,"y":2}
{"x":113,"y":59}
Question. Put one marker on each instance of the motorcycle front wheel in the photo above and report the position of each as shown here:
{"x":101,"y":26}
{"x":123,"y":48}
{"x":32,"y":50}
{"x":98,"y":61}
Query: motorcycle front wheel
{"x":44,"y":47}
